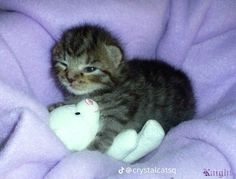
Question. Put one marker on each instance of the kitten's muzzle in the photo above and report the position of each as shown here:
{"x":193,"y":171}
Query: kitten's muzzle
{"x":76,"y":83}
{"x":73,"y":77}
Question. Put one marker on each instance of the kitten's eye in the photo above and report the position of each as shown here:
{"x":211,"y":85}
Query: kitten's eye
{"x":89,"y":69}
{"x":64,"y":64}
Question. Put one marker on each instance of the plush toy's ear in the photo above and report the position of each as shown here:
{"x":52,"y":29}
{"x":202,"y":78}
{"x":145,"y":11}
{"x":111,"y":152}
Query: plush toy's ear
{"x":89,"y":102}
{"x":87,"y":106}
{"x":115,"y":54}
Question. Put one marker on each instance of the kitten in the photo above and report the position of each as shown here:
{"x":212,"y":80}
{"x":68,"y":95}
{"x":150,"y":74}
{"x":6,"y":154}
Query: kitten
{"x":89,"y":62}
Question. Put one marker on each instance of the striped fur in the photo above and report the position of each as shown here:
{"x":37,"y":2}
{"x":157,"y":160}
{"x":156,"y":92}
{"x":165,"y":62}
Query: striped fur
{"x":128,"y":92}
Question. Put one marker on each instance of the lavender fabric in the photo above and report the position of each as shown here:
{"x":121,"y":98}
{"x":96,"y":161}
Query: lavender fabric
{"x":196,"y":36}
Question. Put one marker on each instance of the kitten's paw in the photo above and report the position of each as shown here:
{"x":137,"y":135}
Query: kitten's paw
{"x":54,"y":106}
{"x":99,"y":145}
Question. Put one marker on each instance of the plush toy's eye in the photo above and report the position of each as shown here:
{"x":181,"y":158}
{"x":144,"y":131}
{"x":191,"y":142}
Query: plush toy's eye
{"x":77,"y":113}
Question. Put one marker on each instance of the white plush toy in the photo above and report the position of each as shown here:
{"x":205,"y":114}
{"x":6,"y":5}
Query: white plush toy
{"x":77,"y":125}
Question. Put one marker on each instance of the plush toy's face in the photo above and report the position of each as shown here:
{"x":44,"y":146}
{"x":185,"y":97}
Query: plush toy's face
{"x":76,"y":125}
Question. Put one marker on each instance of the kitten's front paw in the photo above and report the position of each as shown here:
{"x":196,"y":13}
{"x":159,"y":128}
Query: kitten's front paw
{"x":99,"y":145}
{"x":54,"y":106}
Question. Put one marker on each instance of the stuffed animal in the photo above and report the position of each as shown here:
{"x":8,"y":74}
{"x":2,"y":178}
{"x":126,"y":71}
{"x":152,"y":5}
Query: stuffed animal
{"x":77,"y":125}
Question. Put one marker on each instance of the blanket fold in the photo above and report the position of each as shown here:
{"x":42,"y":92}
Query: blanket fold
{"x":197,"y":36}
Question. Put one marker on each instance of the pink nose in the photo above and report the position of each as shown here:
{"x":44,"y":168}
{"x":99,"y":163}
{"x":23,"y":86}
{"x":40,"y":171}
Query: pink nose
{"x":72,"y":76}
{"x":71,"y":80}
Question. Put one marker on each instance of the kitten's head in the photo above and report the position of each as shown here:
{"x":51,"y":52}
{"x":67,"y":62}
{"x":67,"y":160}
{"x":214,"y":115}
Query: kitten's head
{"x":87,"y":59}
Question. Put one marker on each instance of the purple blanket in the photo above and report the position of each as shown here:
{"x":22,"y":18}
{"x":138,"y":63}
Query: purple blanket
{"x":196,"y":36}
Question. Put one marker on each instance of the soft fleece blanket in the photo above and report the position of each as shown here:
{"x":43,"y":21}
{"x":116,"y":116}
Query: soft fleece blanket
{"x":196,"y":36}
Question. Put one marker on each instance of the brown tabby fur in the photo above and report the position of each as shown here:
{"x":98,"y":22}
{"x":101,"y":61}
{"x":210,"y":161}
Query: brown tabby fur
{"x":127,"y":92}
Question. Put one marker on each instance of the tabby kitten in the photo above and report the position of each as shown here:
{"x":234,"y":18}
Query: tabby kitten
{"x":89,"y":62}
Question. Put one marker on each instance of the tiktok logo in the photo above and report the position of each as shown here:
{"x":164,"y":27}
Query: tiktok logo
{"x":121,"y":170}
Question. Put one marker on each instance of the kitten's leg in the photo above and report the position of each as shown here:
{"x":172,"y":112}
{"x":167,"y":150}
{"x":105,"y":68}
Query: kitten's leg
{"x":68,"y":100}
{"x":106,"y":135}
{"x":114,"y":117}
{"x":54,"y":106}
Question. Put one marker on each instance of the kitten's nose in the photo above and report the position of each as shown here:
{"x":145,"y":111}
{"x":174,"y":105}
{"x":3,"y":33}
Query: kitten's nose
{"x":71,"y":80}
{"x":74,"y":77}
{"x":71,"y":76}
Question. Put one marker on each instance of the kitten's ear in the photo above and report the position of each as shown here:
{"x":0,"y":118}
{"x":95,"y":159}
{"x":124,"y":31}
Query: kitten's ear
{"x":114,"y":53}
{"x":57,"y":51}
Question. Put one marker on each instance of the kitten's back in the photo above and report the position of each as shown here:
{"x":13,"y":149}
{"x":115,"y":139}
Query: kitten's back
{"x":155,"y":71}
{"x":165,"y":85}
